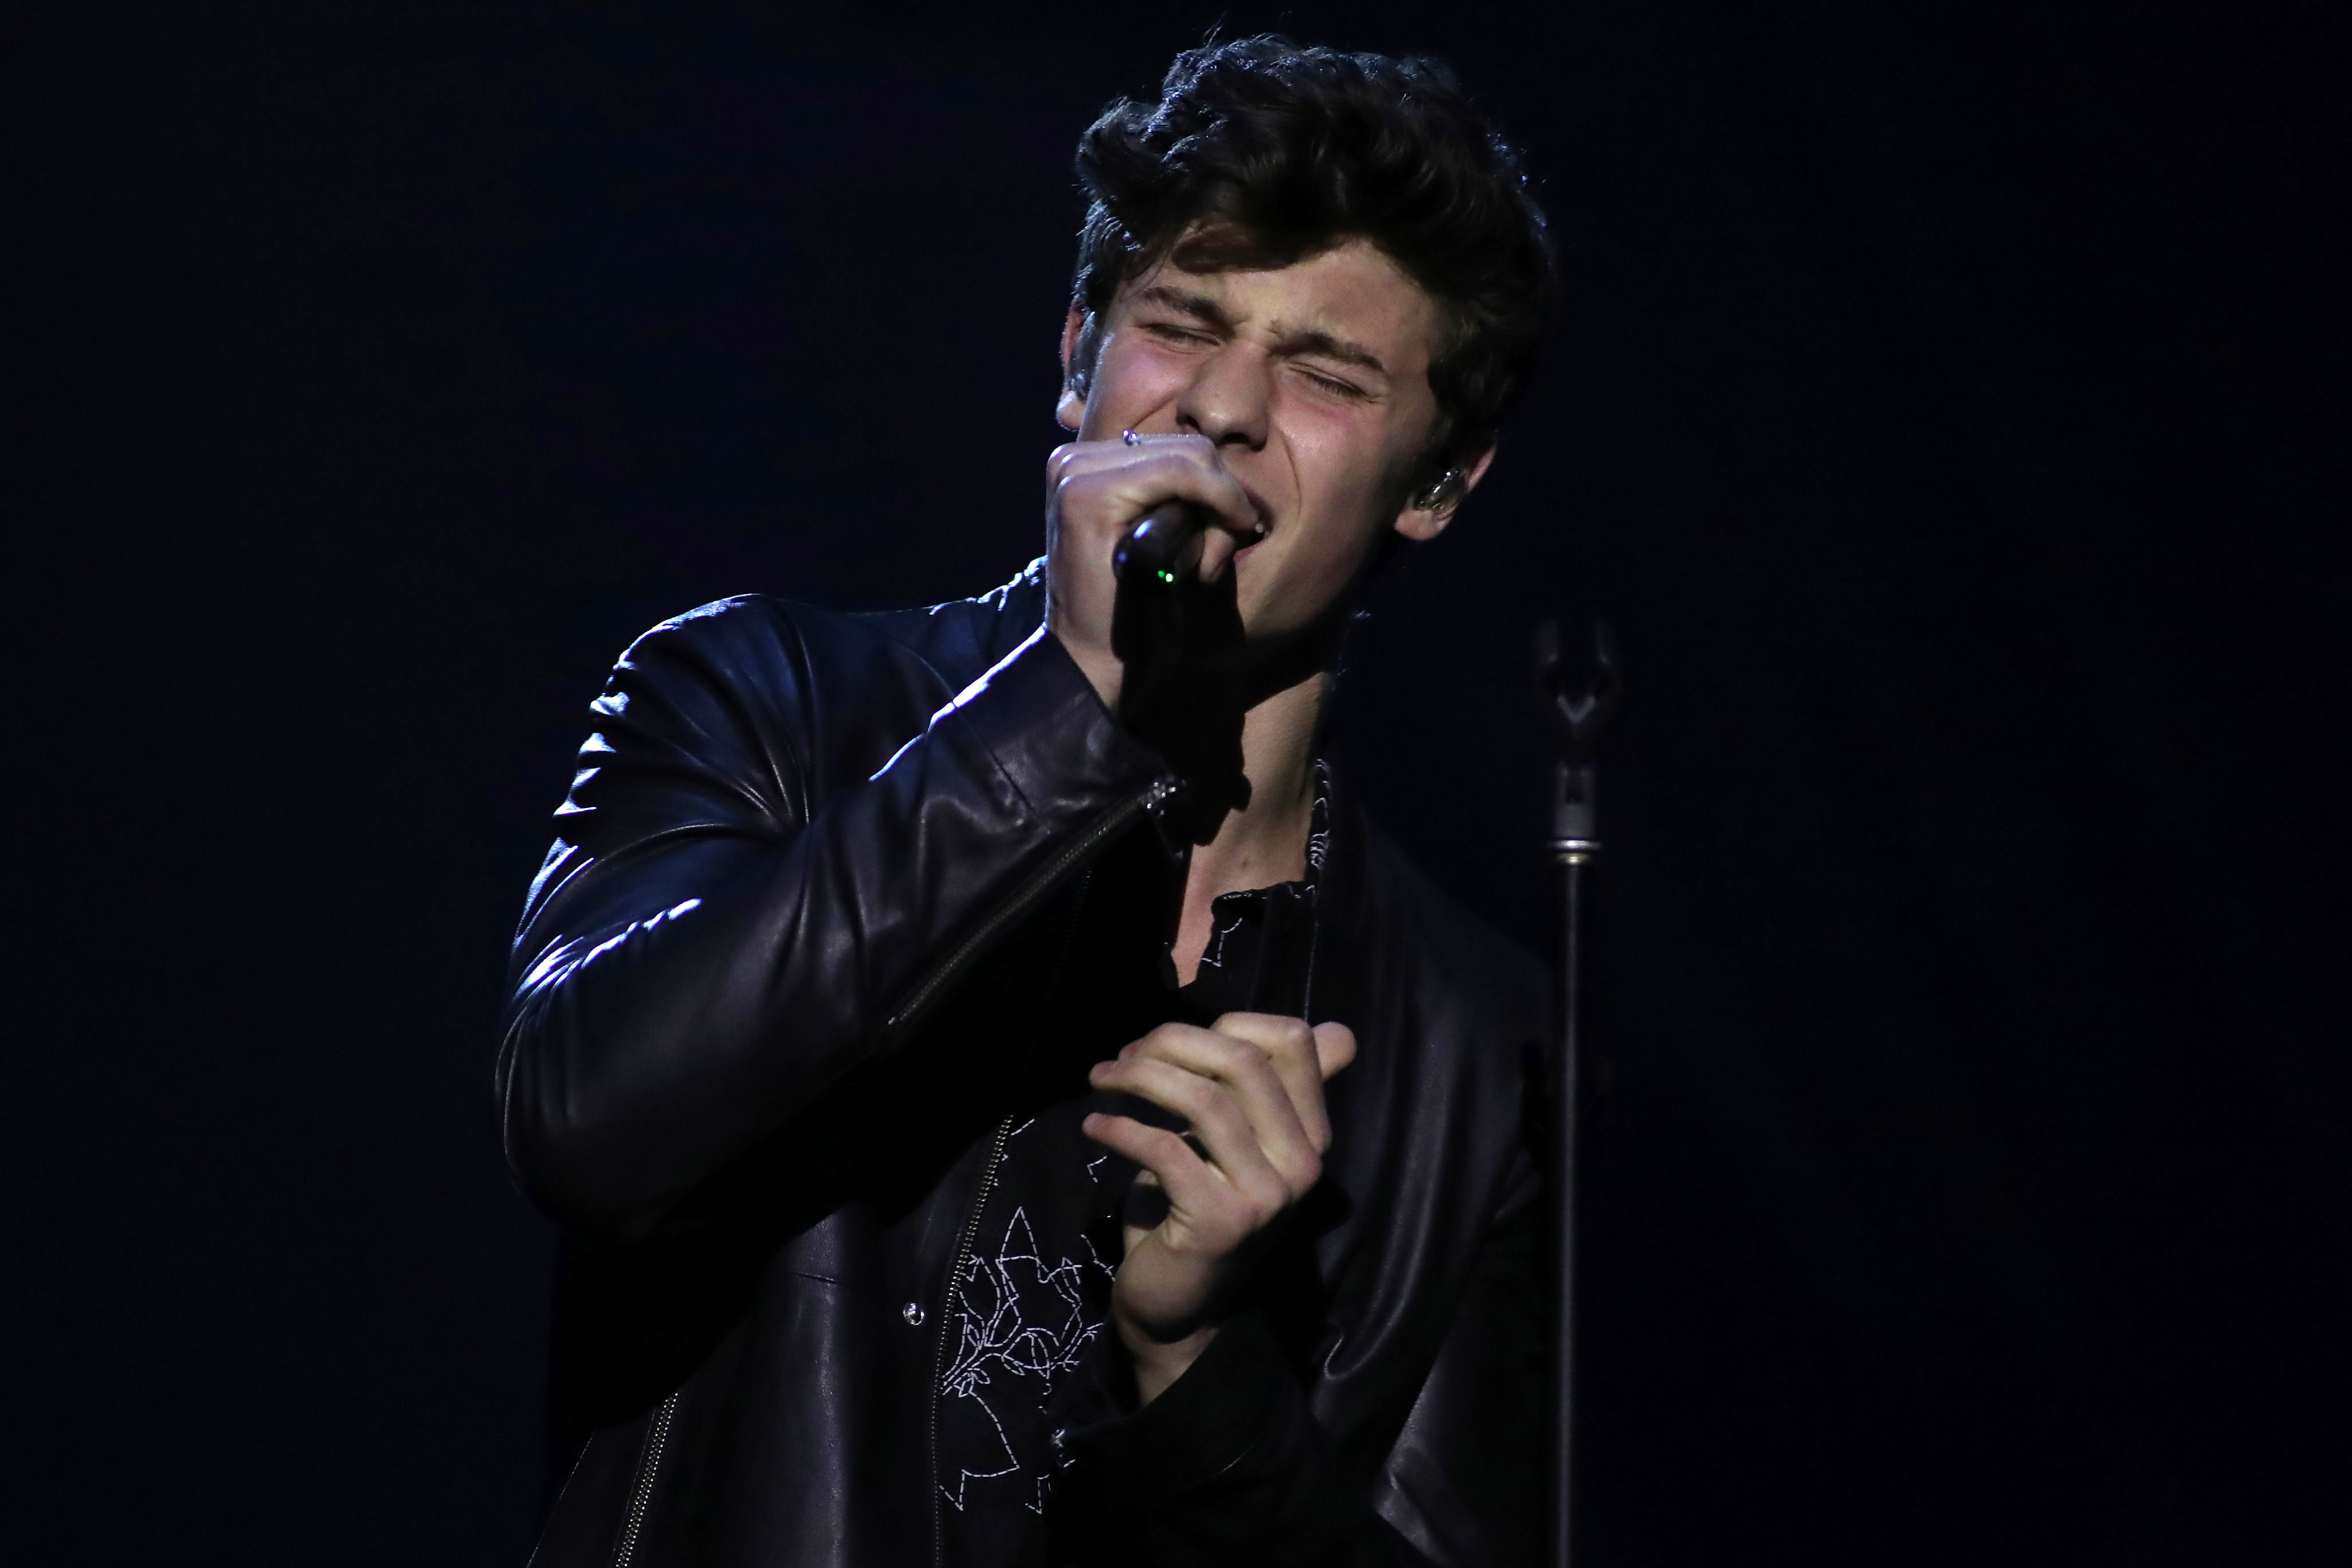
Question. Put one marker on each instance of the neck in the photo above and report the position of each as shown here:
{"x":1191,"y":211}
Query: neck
{"x":1265,"y":842}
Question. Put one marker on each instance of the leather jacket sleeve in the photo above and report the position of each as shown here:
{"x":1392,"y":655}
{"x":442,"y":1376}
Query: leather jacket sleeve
{"x":731,"y":920}
{"x":1229,"y":1467}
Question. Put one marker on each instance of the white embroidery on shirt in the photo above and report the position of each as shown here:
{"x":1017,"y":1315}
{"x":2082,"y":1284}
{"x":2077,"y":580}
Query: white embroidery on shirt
{"x":994,"y":1341}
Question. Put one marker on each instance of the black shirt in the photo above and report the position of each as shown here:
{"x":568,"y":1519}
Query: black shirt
{"x":1029,"y":1301}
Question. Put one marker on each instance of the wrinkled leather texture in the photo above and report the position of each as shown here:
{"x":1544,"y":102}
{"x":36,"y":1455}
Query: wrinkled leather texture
{"x":751,"y":1058}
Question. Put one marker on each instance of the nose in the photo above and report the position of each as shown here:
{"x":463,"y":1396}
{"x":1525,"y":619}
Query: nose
{"x":1230,"y":397}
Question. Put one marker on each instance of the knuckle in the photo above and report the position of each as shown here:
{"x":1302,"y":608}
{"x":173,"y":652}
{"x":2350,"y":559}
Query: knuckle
{"x":1275,"y":1085}
{"x":1265,"y":1189}
{"x":1293,"y":1179}
{"x":1214,"y":1108}
{"x":1257,"y":1070}
{"x":1201,"y":1096}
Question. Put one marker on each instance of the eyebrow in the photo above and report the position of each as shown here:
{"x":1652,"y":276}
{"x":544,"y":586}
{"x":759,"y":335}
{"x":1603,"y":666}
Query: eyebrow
{"x":1203,"y":309}
{"x":1329,"y":347}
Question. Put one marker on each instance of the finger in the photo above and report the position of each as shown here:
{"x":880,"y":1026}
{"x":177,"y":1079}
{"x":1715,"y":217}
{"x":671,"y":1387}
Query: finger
{"x":1111,"y":480}
{"x":1218,"y":548}
{"x":1115,"y":449}
{"x":1249,"y":1074}
{"x":1334,"y":1047}
{"x":1073,"y":458}
{"x":1330,"y":1047}
{"x":1159,"y":1152}
{"x":1289,"y":1049}
{"x":1217,"y":1119}
{"x":1201,"y":1202}
{"x":1226,"y":508}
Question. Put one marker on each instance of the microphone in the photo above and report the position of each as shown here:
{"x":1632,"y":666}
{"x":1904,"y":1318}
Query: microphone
{"x":1164,"y":544}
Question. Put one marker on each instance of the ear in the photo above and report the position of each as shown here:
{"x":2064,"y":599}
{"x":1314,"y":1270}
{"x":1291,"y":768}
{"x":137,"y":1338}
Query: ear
{"x":1070,"y":412}
{"x":1423,"y":524}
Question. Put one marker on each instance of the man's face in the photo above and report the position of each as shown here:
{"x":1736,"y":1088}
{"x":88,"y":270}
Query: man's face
{"x":1313,"y":381}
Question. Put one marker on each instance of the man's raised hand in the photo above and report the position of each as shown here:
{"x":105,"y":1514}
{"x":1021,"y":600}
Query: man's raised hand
{"x":1095,"y":491}
{"x":1251,"y":1090}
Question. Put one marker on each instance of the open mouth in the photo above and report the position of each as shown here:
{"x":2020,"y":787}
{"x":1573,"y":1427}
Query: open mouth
{"x":1265,"y":522}
{"x":1246,"y":551}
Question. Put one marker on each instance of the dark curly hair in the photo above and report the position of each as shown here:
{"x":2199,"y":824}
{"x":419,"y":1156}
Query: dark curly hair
{"x":1261,"y":153}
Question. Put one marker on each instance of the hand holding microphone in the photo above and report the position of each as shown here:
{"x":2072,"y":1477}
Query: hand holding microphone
{"x":1163,"y":546}
{"x":1141,"y":517}
{"x":1168,"y":543}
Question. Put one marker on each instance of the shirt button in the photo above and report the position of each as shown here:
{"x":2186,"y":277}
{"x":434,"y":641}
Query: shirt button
{"x":913,"y":1312}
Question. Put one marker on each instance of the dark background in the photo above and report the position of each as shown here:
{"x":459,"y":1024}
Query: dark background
{"x":1949,"y":415}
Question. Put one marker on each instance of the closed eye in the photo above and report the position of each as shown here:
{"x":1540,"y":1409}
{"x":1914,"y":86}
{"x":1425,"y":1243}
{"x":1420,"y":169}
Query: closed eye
{"x":1169,"y":332}
{"x":1332,"y":384}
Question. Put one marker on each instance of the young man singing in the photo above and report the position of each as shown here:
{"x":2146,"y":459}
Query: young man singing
{"x":1004,"y":1105}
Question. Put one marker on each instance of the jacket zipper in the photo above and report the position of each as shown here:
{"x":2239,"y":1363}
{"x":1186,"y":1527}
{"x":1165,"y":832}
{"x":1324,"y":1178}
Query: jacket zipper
{"x":939,"y":1338}
{"x":1028,"y":895}
{"x":919,"y":1001}
{"x":641,"y":1495}
{"x":927,"y":990}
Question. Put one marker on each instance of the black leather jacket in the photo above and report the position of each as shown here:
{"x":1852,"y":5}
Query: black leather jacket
{"x":766,"y":1030}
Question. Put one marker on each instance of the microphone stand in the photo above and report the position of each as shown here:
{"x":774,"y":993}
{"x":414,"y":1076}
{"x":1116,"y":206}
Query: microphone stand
{"x":1577,"y":719}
